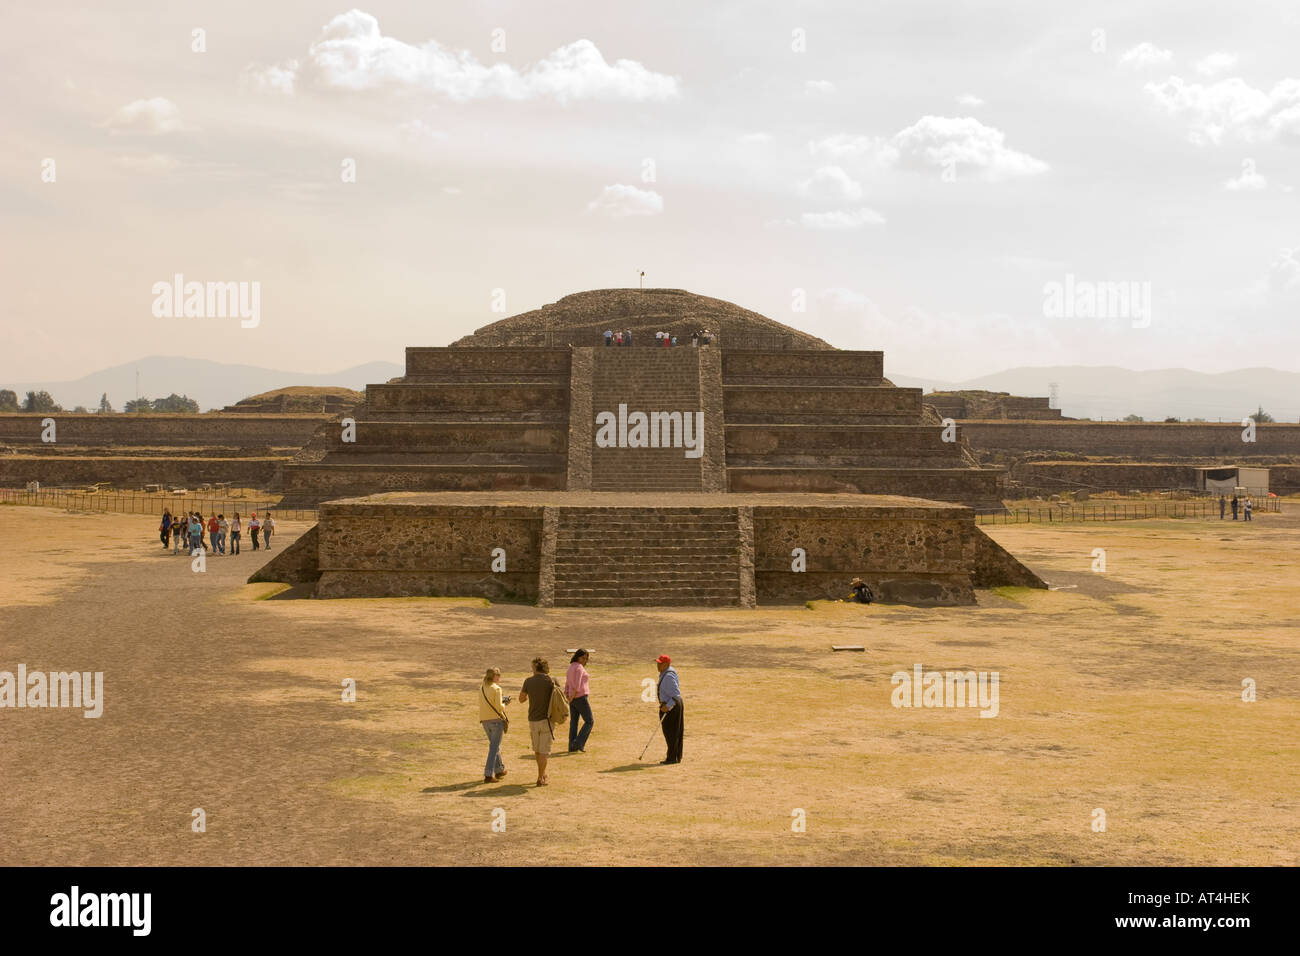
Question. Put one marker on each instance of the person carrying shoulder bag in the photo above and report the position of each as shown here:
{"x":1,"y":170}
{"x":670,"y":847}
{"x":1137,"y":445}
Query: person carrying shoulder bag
{"x":492,"y":715}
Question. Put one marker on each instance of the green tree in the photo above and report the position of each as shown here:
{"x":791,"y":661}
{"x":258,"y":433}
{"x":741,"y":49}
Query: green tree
{"x":175,"y":403}
{"x":138,"y":405}
{"x":1260,"y":416}
{"x":1134,"y":418}
{"x":105,"y":406}
{"x":8,"y":400}
{"x":41,"y":401}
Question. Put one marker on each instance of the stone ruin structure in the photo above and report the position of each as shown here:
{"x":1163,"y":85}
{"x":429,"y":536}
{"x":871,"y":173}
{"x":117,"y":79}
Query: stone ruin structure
{"x":530,"y":461}
{"x":992,"y":406}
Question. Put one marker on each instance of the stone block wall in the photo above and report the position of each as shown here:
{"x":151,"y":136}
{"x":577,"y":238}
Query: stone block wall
{"x":478,"y":364}
{"x":913,"y":556}
{"x":803,"y":367}
{"x":124,"y":472}
{"x":214,"y":428}
{"x":976,"y":489}
{"x":370,"y":549}
{"x":455,"y":401}
{"x":900,"y":446}
{"x":1146,"y":440}
{"x":843,"y":405}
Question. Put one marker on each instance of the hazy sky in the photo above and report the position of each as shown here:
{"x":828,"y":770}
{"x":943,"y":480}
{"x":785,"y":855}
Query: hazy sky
{"x":913,"y":173}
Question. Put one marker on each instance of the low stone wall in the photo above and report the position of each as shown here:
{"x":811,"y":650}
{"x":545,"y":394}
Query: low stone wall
{"x":214,"y":428}
{"x":370,"y":549}
{"x":55,"y":470}
{"x":1144,"y":440}
{"x":1284,"y":479}
{"x":804,"y":367}
{"x":911,"y":556}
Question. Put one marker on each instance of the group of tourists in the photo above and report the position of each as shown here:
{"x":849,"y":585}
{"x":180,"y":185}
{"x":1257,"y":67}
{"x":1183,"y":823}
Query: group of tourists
{"x":664,"y":339}
{"x":192,"y":532}
{"x":1241,"y":505}
{"x":549,"y":704}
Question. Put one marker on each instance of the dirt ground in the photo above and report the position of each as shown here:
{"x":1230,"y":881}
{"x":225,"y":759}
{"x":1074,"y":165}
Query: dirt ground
{"x":1121,"y":691}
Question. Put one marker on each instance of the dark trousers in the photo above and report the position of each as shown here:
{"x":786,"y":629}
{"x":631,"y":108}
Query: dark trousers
{"x":253,"y":532}
{"x":166,"y":536}
{"x":674,"y":724}
{"x":234,"y":542}
{"x":580,"y":707}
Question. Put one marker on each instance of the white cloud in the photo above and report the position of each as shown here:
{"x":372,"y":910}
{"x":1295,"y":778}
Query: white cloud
{"x":1216,"y":63}
{"x":755,"y":139}
{"x":352,"y":53}
{"x":969,"y":99}
{"x":830,"y":182}
{"x":1249,"y":180}
{"x":157,"y":115}
{"x":818,"y":87}
{"x":1231,"y":109}
{"x":844,"y":146}
{"x":619,"y":201}
{"x":278,"y":78}
{"x":1144,"y":55}
{"x":842,"y":219}
{"x":938,"y":141}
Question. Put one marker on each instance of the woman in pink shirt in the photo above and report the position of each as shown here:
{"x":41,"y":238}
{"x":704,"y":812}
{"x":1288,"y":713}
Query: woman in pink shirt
{"x":575,"y":688}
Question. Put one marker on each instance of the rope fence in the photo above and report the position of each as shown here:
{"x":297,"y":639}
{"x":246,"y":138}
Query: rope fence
{"x":1120,"y":511}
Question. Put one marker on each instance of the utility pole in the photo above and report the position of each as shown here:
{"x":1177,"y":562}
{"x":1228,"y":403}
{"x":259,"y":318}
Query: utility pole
{"x":642,"y":281}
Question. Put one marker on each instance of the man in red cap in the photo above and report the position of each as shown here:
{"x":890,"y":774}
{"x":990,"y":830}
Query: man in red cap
{"x":670,"y":705}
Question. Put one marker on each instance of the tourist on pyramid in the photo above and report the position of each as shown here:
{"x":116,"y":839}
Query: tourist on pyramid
{"x":235,"y":528}
{"x":165,"y":529}
{"x":268,"y":526}
{"x":609,"y":337}
{"x":627,"y":336}
{"x":213,"y":528}
{"x":223,"y":529}
{"x":1247,"y":508}
{"x":254,"y":526}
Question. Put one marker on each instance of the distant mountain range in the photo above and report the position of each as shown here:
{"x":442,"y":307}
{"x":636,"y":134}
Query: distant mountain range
{"x":1083,"y":391}
{"x":1110,"y":392}
{"x":211,"y":384}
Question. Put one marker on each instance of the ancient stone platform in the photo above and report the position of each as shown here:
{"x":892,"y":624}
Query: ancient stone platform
{"x":596,"y":548}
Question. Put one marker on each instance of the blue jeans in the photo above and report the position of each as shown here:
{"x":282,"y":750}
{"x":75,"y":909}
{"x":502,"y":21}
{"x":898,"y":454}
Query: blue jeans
{"x":495,"y":730}
{"x":580,"y":707}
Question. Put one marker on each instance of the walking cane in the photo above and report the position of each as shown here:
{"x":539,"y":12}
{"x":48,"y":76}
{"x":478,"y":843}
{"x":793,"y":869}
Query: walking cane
{"x":652,"y":736}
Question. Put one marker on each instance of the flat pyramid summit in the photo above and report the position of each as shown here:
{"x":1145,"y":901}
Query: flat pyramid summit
{"x":580,"y":318}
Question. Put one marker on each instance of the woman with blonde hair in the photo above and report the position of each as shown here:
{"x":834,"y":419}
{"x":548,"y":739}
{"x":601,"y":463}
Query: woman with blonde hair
{"x":492,"y":715}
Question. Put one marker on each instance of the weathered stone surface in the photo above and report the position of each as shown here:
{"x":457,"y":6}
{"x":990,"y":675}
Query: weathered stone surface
{"x":299,"y":563}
